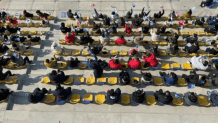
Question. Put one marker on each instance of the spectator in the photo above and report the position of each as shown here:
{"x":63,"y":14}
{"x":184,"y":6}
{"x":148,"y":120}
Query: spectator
{"x":37,"y":95}
{"x":4,"y":93}
{"x":129,"y":29}
{"x":211,"y":20}
{"x":203,"y":80}
{"x":190,"y":98}
{"x":73,"y":62}
{"x":4,"y":62}
{"x":2,"y":15}
{"x":12,"y":21}
{"x":51,"y":63}
{"x":114,"y":14}
{"x":90,"y":61}
{"x":33,"y":39}
{"x":138,"y":22}
{"x":64,"y":29}
{"x":172,"y":15}
{"x":113,"y":97}
{"x":191,"y":48}
{"x":146,"y":78}
{"x":103,"y":63}
{"x":19,"y":61}
{"x":145,"y":29}
{"x":155,"y":36}
{"x":193,"y":78}
{"x":133,"y":51}
{"x":58,"y":77}
{"x":162,"y":29}
{"x":103,"y":39}
{"x":198,"y":63}
{"x":206,"y":3}
{"x":213,"y":50}
{"x":62,"y":94}
{"x":134,"y":63}
{"x":191,"y":39}
{"x":20,"y":47}
{"x":120,"y":22}
{"x":138,"y":39}
{"x":2,"y":29}
{"x":212,"y":30}
{"x":106,"y":21}
{"x":124,"y":77}
{"x":27,"y":14}
{"x":45,"y":23}
{"x":188,"y":14}
{"x":85,"y":39}
{"x":97,"y":69}
{"x":150,"y":60}
{"x":183,"y":22}
{"x":115,"y":64}
{"x":112,"y":29}
{"x":97,"y":16}
{"x":170,"y":79}
{"x":199,"y":21}
{"x":3,"y":48}
{"x":164,"y":98}
{"x":159,"y":15}
{"x":90,"y":21}
{"x":143,"y":14}
{"x":96,"y":49}
{"x":138,"y":96}
{"x":56,"y":47}
{"x":70,"y":14}
{"x":42,"y":15}
{"x":3,"y":76}
{"x":172,"y":49}
{"x":174,"y":38}
{"x":121,"y":40}
{"x":129,"y":14}
{"x":70,"y":37}
{"x":12,"y":29}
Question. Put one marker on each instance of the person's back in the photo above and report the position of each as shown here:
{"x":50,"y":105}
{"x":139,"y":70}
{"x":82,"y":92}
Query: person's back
{"x":155,"y":36}
{"x":151,"y":59}
{"x":171,"y":79}
{"x":124,"y":77}
{"x":69,"y":14}
{"x":97,"y":69}
{"x":121,"y":40}
{"x":113,"y":97}
{"x":4,"y":93}
{"x":115,"y":64}
{"x":190,"y":98}
{"x":37,"y":95}
{"x":165,"y":98}
{"x":73,"y":62}
{"x":50,"y":63}
{"x":62,"y":94}
{"x":134,"y":64}
{"x":138,"y":96}
{"x":70,"y":38}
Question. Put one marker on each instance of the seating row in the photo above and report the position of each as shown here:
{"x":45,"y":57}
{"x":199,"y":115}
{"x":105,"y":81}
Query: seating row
{"x":23,"y":24}
{"x":22,"y":17}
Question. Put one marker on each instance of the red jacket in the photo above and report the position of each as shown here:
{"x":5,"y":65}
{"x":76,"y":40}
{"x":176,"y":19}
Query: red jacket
{"x":14,"y":22}
{"x":131,"y":51}
{"x":70,"y":39}
{"x":182,"y":22}
{"x":151,"y":60}
{"x":120,"y":41}
{"x":135,"y":64}
{"x":127,"y":30}
{"x":115,"y":66}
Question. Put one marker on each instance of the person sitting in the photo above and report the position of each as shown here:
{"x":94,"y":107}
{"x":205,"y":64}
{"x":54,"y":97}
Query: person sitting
{"x":62,"y":94}
{"x":2,"y":15}
{"x":145,"y":29}
{"x":45,"y":23}
{"x":113,"y":97}
{"x":150,"y":60}
{"x":2,"y":29}
{"x":169,"y":22}
{"x":173,"y":38}
{"x":172,"y":49}
{"x":3,"y":76}
{"x":134,"y":63}
{"x":191,"y":48}
{"x":96,"y":26}
{"x":112,"y":29}
{"x":121,"y":40}
{"x":115,"y":64}
{"x":198,"y":63}
{"x":202,"y":81}
{"x":164,"y":98}
{"x":146,"y":78}
{"x":129,"y":29}
{"x":42,"y":15}
{"x":114,"y":14}
{"x":143,"y":14}
{"x":138,"y":96}
{"x":4,"y":61}
{"x":3,"y":48}
{"x":129,"y":14}
{"x":138,"y":22}
{"x":190,"y":98}
{"x":12,"y":21}
{"x":33,"y":39}
{"x":212,"y":29}
{"x":138,"y":39}
{"x":206,"y":3}
{"x":213,"y":50}
{"x":188,"y":14}
{"x":162,"y":29}
{"x":193,"y":78}
{"x":97,"y":16}
{"x":159,"y":15}
{"x":96,"y":49}
{"x":191,"y":39}
{"x":97,"y":69}
{"x":64,"y":29}
{"x":155,"y":36}
{"x":12,"y":29}
{"x":106,"y":21}
{"x":37,"y":95}
{"x":21,"y":47}
{"x":70,"y":14}
{"x":4,"y":93}
{"x":169,"y":79}
{"x":90,"y":61}
{"x":27,"y":14}
{"x":120,"y":22}
{"x":173,"y":15}
{"x":51,"y":63}
{"x":56,"y":47}
{"x":183,"y":22}
{"x":85,"y":39}
{"x":199,"y":21}
{"x":102,"y":63}
{"x":58,"y":77}
{"x":211,"y":20}
{"x":103,"y":39}
{"x":72,"y":63}
{"x":70,"y":37}
{"x":133,"y":51}
{"x":124,"y":77}
{"x":90,"y":21}
{"x":214,"y":98}
{"x":20,"y":61}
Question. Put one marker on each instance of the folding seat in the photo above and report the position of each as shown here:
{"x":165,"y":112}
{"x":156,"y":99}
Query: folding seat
{"x":114,"y":52}
{"x":128,"y":34}
{"x":123,"y":53}
{"x":87,"y":98}
{"x":150,"y":100}
{"x":62,"y":65}
{"x":186,"y":66}
{"x":50,"y":98}
{"x":164,"y":18}
{"x":120,"y":32}
{"x":104,"y":53}
{"x":33,"y":32}
{"x":176,"y":66}
{"x":66,"y":52}
{"x":158,"y":81}
{"x":185,"y":33}
{"x":177,"y":101}
{"x":50,"y":17}
{"x":69,"y":80}
{"x":181,"y":82}
{"x":125,"y":65}
{"x":12,"y":80}
{"x":193,"y":32}
{"x":165,"y":66}
{"x":90,"y":80}
{"x":45,"y":80}
{"x":25,"y":32}
{"x":100,"y":98}
{"x":75,"y":98}
{"x":35,"y":17}
{"x":133,"y":79}
{"x":95,"y":42}
{"x":85,"y":52}
{"x":201,"y":33}
{"x":207,"y":84}
{"x":125,"y":99}
{"x":136,"y":33}
{"x":38,"y":24}
{"x":162,"y":53}
{"x":22,"y":24}
{"x":142,"y":66}
{"x":112,"y":80}
{"x":82,"y":65}
{"x":79,"y":80}
{"x":58,"y":53}
{"x":203,"y":101}
{"x":112,"y":42}
{"x":76,"y":52}
{"x":182,"y":53}
{"x":101,"y":80}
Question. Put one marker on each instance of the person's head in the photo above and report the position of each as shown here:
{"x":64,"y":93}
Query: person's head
{"x":116,"y":61}
{"x":29,"y":36}
{"x":62,"y":24}
{"x":148,"y":75}
{"x":58,"y":86}
{"x":113,"y":13}
{"x":112,"y":92}
{"x":71,"y":59}
{"x":192,"y":97}
{"x":189,"y":12}
{"x":205,"y":63}
{"x":54,"y":44}
{"x":176,"y":47}
{"x":14,"y":45}
{"x":173,"y":75}
{"x":169,"y":19}
{"x":121,"y":37}
{"x":121,"y":18}
{"x":173,"y":12}
{"x":47,"y":60}
{"x":216,"y":26}
{"x":195,"y":35}
{"x":203,"y":78}
{"x":134,"y":51}
{"x":167,"y":93}
{"x":213,"y":42}
{"x":7,"y":27}
{"x":53,"y":72}
{"x":93,"y":65}
{"x":158,"y":32}
{"x":24,"y":11}
{"x":128,"y":13}
{"x":69,"y":10}
{"x":202,"y":19}
{"x":38,"y":11}
{"x":192,"y":73}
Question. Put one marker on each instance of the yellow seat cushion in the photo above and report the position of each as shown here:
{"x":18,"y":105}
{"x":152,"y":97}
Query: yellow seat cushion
{"x":100,"y":98}
{"x":90,"y":80}
{"x":120,"y":33}
{"x":75,"y":98}
{"x":80,"y":79}
{"x":125,"y":99}
{"x":38,"y":25}
{"x":45,"y":80}
{"x":114,"y":52}
{"x":203,"y":101}
{"x":201,"y":33}
{"x":128,"y":34}
{"x":155,"y":43}
{"x":62,"y":65}
{"x":25,"y":32}
{"x":186,"y":66}
{"x":193,"y":32}
{"x":29,"y":52}
{"x":125,"y":64}
{"x":201,"y":53}
{"x":112,"y":42}
{"x":123,"y":53}
{"x":12,"y":79}
{"x":39,"y":33}
{"x":67,"y":52}
{"x":5,"y":100}
{"x":11,"y":65}
{"x":158,"y":81}
{"x":210,"y":34}
{"x":96,"y":42}
{"x":69,"y":80}
{"x":181,"y":82}
{"x":162,"y":52}
{"x":200,"y":43}
{"x":189,"y":25}
{"x":33,"y":32}
{"x":136,"y":33}
{"x":82,"y":65}
{"x":112,"y":80}
{"x":181,"y":43}
{"x":58,"y":53}
{"x":182,"y":53}
{"x":85,"y":52}
{"x":185,"y":33}
{"x":177,"y":101}
{"x":50,"y":17}
{"x":192,"y":54}
{"x":2,"y":81}
{"x":102,"y":79}
{"x":163,"y":43}
{"x":88,"y":97}
{"x":35,"y":17}
{"x":207,"y":84}
{"x":76,"y":52}
{"x":165,"y":66}
{"x":50,"y":98}
{"x":106,"y":51}
{"x":150,"y":99}
{"x":135,"y":78}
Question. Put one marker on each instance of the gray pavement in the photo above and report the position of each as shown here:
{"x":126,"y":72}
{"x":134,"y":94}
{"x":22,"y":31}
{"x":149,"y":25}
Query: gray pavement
{"x":19,"y":110}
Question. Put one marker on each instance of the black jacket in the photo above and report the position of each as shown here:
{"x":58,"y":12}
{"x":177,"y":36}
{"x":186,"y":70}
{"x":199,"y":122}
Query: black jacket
{"x":145,"y":29}
{"x":4,"y":93}
{"x":13,"y":29}
{"x":35,"y":39}
{"x":117,"y":95}
{"x":213,"y":51}
{"x":63,"y":94}
{"x":106,"y":21}
{"x":70,"y":14}
{"x":60,"y":78}
{"x":85,"y":39}
{"x":198,"y":22}
{"x":158,"y":15}
{"x":73,"y":63}
{"x":97,"y":70}
{"x":27,"y":14}
{"x":192,"y":49}
{"x":161,"y":97}
{"x":65,"y":29}
{"x":37,"y":95}
{"x":124,"y":78}
{"x":129,"y":15}
{"x":138,"y":96}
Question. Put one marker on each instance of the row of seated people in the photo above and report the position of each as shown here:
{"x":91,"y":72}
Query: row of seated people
{"x":58,"y":77}
{"x":15,"y":38}
{"x":62,"y":95}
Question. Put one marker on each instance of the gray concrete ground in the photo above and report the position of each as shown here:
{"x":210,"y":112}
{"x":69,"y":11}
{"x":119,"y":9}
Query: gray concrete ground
{"x":19,"y":110}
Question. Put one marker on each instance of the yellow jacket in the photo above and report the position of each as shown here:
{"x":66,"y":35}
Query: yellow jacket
{"x":51,"y":64}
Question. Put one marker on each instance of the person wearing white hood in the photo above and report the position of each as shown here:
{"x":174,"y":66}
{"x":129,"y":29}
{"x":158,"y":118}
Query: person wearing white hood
{"x":199,"y":63}
{"x":56,"y":47}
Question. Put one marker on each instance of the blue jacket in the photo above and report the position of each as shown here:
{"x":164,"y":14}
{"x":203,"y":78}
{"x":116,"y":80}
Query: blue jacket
{"x":170,"y":81}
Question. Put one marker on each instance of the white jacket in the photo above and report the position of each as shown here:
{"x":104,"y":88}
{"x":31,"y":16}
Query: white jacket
{"x":154,"y":36}
{"x":103,"y":39}
{"x":197,"y":62}
{"x":56,"y":47}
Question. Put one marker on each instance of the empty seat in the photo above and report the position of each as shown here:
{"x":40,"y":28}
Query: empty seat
{"x":125,"y":65}
{"x":158,"y":81}
{"x":185,"y":33}
{"x":112,"y":80}
{"x":90,"y":80}
{"x":134,"y":79}
{"x":193,"y":32}
{"x":207,"y":84}
{"x":165,"y":66}
{"x":155,"y":42}
{"x":201,"y":33}
{"x":95,"y":42}
{"x":75,"y":98}
{"x":150,"y":100}
{"x":45,"y":80}
{"x":25,"y":32}
{"x":79,"y":80}
{"x":66,"y":52}
{"x":58,"y":53}
{"x":112,"y":42}
{"x":82,"y":65}
{"x":203,"y":101}
{"x":69,"y":80}
{"x":181,"y":82}
{"x":104,"y":52}
{"x":12,"y":80}
{"x":87,"y":98}
{"x":114,"y":52}
{"x":136,"y":33}
{"x":85,"y":52}
{"x":162,"y":53}
{"x":177,"y":101}
{"x":182,"y":53}
{"x":100,"y":98}
{"x":123,"y":53}
{"x":76,"y":52}
{"x":181,"y":43}
{"x":186,"y":66}
{"x":163,"y":43}
{"x":101,"y":80}
{"x":50,"y":98}
{"x":125,"y":99}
